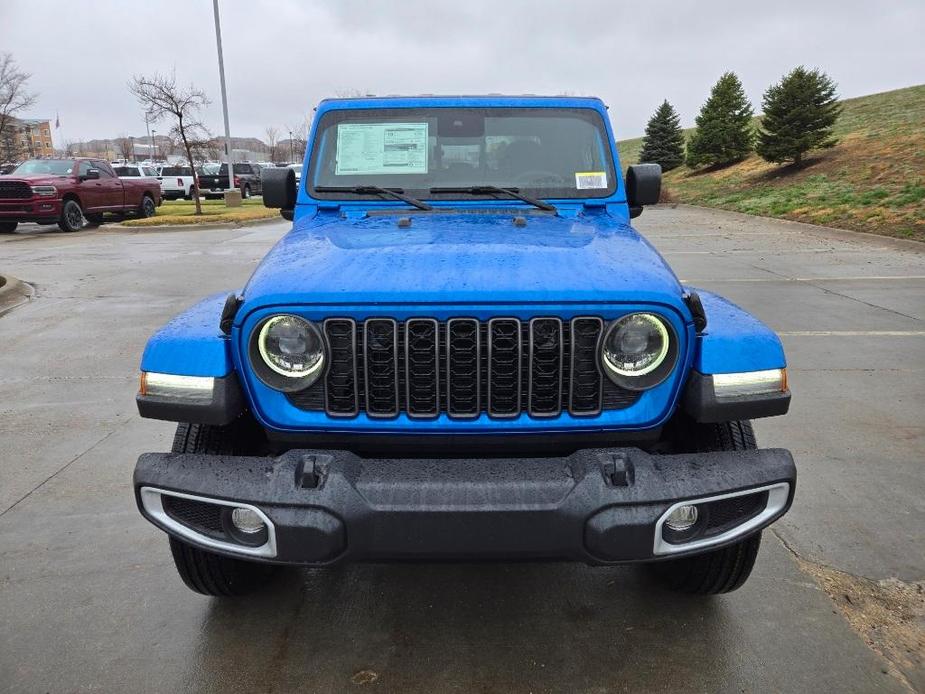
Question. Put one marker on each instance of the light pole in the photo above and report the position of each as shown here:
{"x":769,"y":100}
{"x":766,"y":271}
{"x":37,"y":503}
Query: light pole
{"x":221,"y":74}
{"x":148,"y":128}
{"x":291,"y":155}
{"x":153,"y":145}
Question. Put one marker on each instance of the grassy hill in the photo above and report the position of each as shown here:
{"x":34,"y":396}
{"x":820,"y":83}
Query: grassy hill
{"x":872,"y":180}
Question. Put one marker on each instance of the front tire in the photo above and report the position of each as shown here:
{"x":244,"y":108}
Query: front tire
{"x":202,"y":571}
{"x":8,"y":227}
{"x":72,"y":217}
{"x":721,"y":570}
{"x":246,"y":192}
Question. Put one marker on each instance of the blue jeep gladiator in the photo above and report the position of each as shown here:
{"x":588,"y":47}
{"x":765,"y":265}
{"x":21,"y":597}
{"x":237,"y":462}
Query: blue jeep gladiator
{"x":463,"y":351}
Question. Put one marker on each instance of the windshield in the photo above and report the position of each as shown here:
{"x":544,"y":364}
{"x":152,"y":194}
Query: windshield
{"x":210,"y":169}
{"x":54,"y":167}
{"x":544,"y":152}
{"x":176,"y":171}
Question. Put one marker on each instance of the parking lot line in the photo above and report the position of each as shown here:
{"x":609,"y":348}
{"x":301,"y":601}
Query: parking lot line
{"x":852,"y":333}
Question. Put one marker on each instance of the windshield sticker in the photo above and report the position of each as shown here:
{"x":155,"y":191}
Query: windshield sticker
{"x":381,"y":148}
{"x":587,"y":180}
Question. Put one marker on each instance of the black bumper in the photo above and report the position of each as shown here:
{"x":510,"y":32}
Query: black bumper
{"x":598,"y":505}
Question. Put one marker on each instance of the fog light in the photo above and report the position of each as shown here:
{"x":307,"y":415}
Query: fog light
{"x":682,"y":518}
{"x":247,"y":521}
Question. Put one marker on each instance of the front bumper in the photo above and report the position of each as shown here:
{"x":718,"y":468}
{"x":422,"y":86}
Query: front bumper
{"x":599,"y":506}
{"x":32,"y":210}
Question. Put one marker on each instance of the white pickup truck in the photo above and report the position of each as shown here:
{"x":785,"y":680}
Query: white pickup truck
{"x":177,"y":182}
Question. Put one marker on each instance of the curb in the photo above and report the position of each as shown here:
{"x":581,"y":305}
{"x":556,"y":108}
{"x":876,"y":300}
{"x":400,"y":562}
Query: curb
{"x":192,"y":227}
{"x":14,"y":293}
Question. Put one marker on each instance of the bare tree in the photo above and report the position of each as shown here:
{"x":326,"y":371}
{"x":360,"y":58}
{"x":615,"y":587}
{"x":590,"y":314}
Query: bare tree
{"x":14,"y":97}
{"x":272,"y":142}
{"x":299,"y":139}
{"x":161,"y":98}
{"x":124,"y":145}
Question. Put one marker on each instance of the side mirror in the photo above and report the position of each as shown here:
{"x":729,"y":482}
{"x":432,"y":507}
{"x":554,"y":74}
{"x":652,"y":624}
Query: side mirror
{"x":643,"y":186}
{"x":279,"y":190}
{"x":91,"y":175}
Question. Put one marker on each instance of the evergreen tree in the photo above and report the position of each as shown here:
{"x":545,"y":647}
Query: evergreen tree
{"x":724,"y":127}
{"x":799,"y":112}
{"x":664,"y":140}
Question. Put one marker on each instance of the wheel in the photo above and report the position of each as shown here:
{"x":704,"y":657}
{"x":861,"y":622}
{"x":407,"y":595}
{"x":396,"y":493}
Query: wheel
{"x":192,"y":193}
{"x":246,"y":192}
{"x":93,"y":221}
{"x":8,"y":227}
{"x":72,"y":216}
{"x":721,"y":570}
{"x":213,"y":574}
{"x":202,"y":571}
{"x":147,"y":208}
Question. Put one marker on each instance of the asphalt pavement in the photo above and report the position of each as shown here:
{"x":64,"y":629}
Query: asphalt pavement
{"x":89,"y":599}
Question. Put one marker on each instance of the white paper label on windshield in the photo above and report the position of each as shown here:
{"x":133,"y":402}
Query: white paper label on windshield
{"x":381,"y":148}
{"x":586,"y":180}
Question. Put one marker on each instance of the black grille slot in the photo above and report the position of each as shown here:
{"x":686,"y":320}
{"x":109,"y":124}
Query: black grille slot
{"x":546,"y":353}
{"x":422,"y":367}
{"x":381,"y":352}
{"x":725,"y":514}
{"x":504,"y":367}
{"x":341,"y":393}
{"x":15,"y":190}
{"x":463,"y":367}
{"x":586,"y":377}
{"x":200,"y":516}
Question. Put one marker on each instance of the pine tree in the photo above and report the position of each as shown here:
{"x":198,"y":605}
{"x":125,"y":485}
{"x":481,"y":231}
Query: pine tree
{"x":724,"y":127}
{"x":664,"y":140}
{"x":799,"y":112}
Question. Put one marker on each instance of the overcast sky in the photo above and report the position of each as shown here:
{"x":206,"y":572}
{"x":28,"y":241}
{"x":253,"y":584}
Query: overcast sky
{"x":283,"y":56}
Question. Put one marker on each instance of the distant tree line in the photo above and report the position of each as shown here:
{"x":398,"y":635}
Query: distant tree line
{"x":800,"y":112}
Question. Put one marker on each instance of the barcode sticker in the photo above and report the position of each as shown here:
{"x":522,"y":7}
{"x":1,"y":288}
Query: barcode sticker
{"x":585,"y":180}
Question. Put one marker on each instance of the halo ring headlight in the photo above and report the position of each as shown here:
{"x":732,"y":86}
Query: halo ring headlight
{"x":287,"y":352}
{"x":638,"y":351}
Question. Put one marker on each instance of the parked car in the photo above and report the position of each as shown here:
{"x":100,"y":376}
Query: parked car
{"x":247,"y":179}
{"x":177,"y":182}
{"x":136,"y":171}
{"x":464,"y":351}
{"x":297,"y":168}
{"x":72,"y":193}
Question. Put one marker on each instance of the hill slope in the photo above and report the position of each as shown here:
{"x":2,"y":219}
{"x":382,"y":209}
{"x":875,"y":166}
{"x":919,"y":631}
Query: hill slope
{"x":873,"y":180}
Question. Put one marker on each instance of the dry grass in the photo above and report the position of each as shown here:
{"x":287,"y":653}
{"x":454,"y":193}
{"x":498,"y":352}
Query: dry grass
{"x":180,"y":212}
{"x":889,"y":615}
{"x":873,"y":180}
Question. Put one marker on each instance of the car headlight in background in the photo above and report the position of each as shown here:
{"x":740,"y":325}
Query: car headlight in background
{"x":287,"y":352}
{"x":638,"y":351}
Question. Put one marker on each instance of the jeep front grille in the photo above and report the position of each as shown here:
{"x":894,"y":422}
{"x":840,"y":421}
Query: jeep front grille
{"x":463,"y":367}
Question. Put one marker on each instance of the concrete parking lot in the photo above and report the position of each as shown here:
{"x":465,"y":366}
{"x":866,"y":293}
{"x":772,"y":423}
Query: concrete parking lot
{"x":89,"y":600}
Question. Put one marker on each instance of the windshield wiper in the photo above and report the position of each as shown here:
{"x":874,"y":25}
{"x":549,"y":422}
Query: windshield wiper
{"x":397,"y":193}
{"x":494,"y":190}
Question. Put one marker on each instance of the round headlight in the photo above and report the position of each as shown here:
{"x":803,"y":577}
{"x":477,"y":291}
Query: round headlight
{"x":637,"y":351}
{"x":291,"y":347}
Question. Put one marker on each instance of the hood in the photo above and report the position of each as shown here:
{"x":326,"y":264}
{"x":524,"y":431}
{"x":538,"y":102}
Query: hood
{"x":35,"y":179}
{"x":457,"y":257}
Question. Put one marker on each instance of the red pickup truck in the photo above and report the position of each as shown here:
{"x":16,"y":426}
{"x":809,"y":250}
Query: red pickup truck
{"x":72,"y":193}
